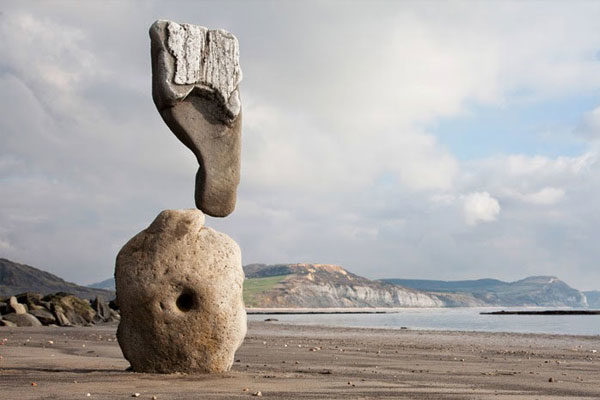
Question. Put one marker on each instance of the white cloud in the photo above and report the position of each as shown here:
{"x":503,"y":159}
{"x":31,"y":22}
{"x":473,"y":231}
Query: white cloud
{"x":480,"y":207}
{"x":339,"y":162}
{"x":545,"y":196}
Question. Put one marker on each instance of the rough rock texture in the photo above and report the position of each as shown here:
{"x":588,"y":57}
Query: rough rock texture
{"x":195,"y":79}
{"x":70,"y":310}
{"x":17,"y":307}
{"x":179,"y":289}
{"x":22,"y":319}
{"x":44,"y":316}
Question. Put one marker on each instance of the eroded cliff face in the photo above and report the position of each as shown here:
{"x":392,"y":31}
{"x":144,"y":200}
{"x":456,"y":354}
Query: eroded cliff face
{"x":324,"y":285}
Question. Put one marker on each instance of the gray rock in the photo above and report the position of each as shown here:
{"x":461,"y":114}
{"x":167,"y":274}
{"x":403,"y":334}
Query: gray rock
{"x":179,"y":290}
{"x":70,"y":310}
{"x":44,"y":316}
{"x":22,"y":319}
{"x":195,"y":79}
{"x":102,"y":310}
{"x":16,"y":307}
{"x":61,"y":318}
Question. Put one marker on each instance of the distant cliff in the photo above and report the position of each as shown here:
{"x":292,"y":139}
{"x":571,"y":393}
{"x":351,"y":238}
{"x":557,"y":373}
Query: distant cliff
{"x":545,"y":291}
{"x":323,"y":285}
{"x":593,"y":298}
{"x":18,"y":278}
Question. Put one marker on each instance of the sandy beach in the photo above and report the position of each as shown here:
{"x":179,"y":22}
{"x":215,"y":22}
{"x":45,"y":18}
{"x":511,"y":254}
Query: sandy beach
{"x":301,"y":362}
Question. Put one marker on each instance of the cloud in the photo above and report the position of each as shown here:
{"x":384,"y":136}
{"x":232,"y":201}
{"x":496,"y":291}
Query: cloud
{"x":545,"y":196}
{"x":589,"y":127}
{"x":480,"y":207}
{"x":340,"y":161}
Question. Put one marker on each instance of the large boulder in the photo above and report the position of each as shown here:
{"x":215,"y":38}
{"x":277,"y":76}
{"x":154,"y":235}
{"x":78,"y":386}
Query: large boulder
{"x":195,"y":79}
{"x":179,"y":290}
{"x":44,"y":316}
{"x":22,"y":319}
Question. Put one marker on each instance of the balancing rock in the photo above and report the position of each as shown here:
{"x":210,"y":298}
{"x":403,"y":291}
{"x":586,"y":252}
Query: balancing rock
{"x":195,"y":78}
{"x":179,"y":289}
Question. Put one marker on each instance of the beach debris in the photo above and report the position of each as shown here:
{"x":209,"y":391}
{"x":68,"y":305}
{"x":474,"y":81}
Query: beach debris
{"x":34,"y":384}
{"x":135,"y":395}
{"x":195,"y":87}
{"x":193,"y":318}
{"x":245,"y":389}
{"x":88,"y":394}
{"x":257,"y":394}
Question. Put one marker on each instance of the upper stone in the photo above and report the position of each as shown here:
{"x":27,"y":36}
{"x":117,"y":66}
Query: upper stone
{"x":189,"y":56}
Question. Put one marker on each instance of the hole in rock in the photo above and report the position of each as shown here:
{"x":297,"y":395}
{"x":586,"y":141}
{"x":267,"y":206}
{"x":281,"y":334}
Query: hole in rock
{"x":186,"y":300}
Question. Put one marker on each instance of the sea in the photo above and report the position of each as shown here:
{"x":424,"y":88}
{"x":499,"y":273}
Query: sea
{"x":452,"y":319}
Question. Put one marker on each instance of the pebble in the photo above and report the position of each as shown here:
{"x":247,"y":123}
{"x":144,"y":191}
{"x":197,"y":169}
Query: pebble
{"x":33,"y":384}
{"x":88,"y":394}
{"x":135,"y":395}
{"x":257,"y":394}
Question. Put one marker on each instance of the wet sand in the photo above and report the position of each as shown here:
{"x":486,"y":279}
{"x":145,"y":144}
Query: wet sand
{"x":301,"y":362}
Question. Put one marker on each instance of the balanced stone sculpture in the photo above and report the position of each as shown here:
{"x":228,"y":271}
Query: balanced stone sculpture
{"x":195,"y":78}
{"x":179,"y":283}
{"x":179,"y":289}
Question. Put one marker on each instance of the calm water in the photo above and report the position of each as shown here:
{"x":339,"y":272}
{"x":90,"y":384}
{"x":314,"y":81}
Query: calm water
{"x":458,"y":319}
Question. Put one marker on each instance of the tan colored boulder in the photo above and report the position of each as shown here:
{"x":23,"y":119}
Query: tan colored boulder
{"x":179,"y":289}
{"x":17,"y":307}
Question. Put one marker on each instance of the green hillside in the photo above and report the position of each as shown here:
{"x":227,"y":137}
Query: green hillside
{"x":255,"y":286}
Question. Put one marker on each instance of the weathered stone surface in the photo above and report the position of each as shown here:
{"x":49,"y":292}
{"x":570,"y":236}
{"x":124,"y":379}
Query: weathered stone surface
{"x":70,"y":310}
{"x":22,"y":319}
{"x":15,"y":306}
{"x":179,"y":290}
{"x":195,"y":79}
{"x":44,"y":316}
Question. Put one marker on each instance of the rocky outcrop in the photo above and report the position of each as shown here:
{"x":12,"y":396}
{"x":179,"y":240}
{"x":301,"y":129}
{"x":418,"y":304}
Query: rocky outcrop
{"x":63,"y":309}
{"x":195,"y":79}
{"x":179,"y":289}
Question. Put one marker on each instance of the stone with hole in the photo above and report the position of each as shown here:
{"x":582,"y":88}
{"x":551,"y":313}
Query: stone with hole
{"x":179,"y":289}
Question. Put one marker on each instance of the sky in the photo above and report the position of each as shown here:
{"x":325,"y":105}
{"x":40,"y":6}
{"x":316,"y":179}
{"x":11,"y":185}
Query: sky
{"x":431,"y":140}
